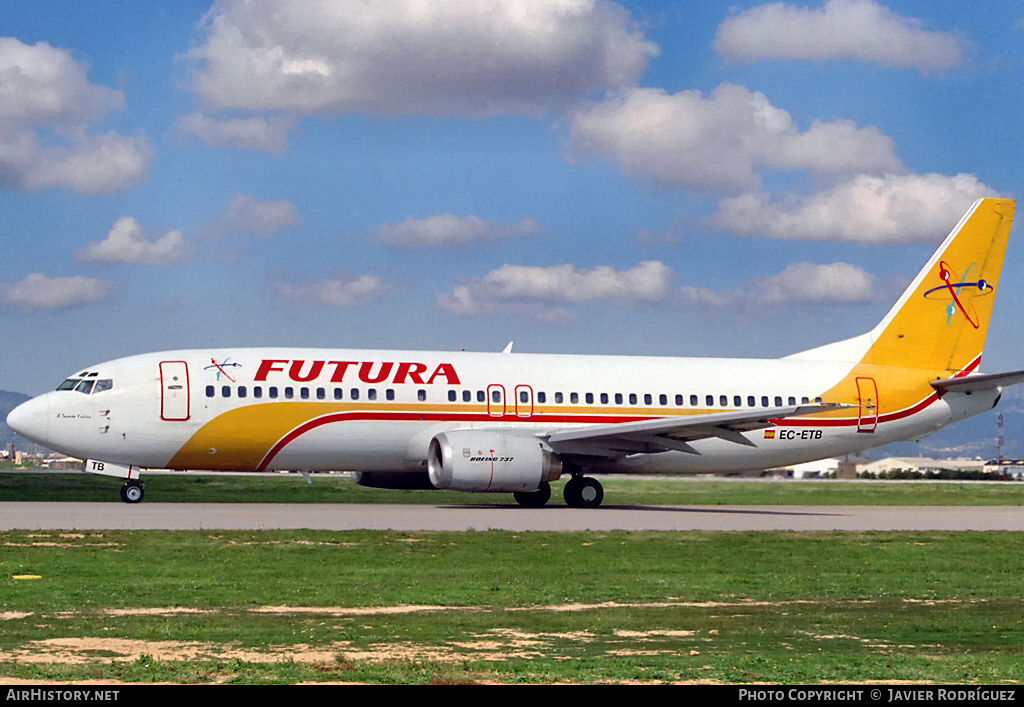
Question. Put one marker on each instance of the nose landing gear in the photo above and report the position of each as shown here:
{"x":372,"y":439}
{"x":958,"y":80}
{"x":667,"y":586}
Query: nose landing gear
{"x":132,"y":491}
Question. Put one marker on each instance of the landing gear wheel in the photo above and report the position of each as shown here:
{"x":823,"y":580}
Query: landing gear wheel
{"x":583,"y":492}
{"x":534,"y":499}
{"x":132,"y":492}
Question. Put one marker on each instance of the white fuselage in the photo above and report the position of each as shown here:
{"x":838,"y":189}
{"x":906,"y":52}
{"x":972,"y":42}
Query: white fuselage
{"x":371,"y":410}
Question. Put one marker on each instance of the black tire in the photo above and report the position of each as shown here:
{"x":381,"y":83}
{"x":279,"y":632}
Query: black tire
{"x":132,"y":492}
{"x":534,"y":499}
{"x":583,"y":492}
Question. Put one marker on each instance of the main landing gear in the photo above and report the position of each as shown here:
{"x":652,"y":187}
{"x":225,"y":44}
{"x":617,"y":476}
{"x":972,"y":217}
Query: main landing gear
{"x":579,"y":492}
{"x":583,"y":492}
{"x":534,"y":499}
{"x":132,"y":491}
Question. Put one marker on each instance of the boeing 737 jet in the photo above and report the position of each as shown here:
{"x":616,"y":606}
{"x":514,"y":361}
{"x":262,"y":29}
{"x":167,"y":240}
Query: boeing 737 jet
{"x":513,"y":422}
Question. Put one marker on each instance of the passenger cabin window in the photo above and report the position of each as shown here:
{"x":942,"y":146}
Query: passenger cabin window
{"x":542,"y":397}
{"x":241,"y":391}
{"x":574,"y":398}
{"x":421,"y":395}
{"x":558,"y":397}
{"x":210,"y":391}
{"x":272,"y":391}
{"x":371,"y":394}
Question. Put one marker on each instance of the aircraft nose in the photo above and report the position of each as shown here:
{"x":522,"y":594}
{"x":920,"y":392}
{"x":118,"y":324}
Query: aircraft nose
{"x":30,"y":419}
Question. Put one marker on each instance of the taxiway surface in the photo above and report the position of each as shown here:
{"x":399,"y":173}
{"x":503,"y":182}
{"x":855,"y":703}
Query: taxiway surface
{"x":208,"y":516}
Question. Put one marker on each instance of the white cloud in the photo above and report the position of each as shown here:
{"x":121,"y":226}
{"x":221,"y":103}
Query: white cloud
{"x":266,"y":134}
{"x":43,"y":88}
{"x":889,"y":209}
{"x":720,"y":143}
{"x":448,"y":229}
{"x":342,"y":291}
{"x":841,"y":29}
{"x":37,"y":291}
{"x":125,"y":244}
{"x":470,"y":58}
{"x":798,"y":283}
{"x":245,"y":216}
{"x":542,"y":292}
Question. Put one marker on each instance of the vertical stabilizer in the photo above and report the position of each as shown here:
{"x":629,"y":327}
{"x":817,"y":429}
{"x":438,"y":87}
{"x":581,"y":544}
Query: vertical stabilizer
{"x":942,"y":318}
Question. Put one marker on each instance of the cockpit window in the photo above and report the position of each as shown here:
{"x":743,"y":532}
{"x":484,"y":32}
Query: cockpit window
{"x":69,"y":384}
{"x":103,"y":384}
{"x":85,"y":386}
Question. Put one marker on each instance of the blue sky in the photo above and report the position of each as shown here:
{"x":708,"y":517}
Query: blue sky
{"x":667,"y":178}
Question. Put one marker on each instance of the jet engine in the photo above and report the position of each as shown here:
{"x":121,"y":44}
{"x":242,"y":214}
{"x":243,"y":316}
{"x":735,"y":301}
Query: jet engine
{"x":474,"y":460}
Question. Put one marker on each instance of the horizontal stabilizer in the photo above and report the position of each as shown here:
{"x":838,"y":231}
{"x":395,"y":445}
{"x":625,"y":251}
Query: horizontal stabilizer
{"x":982,"y":381}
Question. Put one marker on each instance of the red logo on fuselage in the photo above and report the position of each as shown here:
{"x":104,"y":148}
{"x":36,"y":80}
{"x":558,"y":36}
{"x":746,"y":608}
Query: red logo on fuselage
{"x":303,"y":371}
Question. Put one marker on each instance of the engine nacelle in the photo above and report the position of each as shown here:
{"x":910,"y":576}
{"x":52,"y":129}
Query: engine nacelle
{"x":392,"y":479}
{"x":474,"y":460}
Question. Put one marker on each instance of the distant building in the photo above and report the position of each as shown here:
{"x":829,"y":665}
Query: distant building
{"x":1007,"y":468}
{"x":922,"y":464}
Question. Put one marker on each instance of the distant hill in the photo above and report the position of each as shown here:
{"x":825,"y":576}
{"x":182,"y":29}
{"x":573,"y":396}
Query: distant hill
{"x":9,"y":401}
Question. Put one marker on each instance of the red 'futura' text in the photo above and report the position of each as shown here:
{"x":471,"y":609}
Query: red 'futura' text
{"x":302,"y":371}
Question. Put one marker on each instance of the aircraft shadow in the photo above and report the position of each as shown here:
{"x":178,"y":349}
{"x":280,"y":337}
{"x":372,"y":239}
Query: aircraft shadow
{"x":661,"y":509}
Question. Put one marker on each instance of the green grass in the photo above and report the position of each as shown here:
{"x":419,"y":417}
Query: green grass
{"x":730,"y":607}
{"x":292,"y":488}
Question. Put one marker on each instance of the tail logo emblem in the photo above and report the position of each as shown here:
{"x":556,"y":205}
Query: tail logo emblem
{"x":959,"y":292}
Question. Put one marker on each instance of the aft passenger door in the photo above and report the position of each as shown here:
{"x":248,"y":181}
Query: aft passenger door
{"x":174,"y":391}
{"x":867,"y":394}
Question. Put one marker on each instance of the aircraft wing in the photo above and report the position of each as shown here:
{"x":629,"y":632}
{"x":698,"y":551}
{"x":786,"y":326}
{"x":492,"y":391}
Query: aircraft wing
{"x":982,"y":381}
{"x":665,"y":433}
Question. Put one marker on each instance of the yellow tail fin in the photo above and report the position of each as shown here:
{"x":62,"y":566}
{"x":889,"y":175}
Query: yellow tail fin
{"x":942,"y":319}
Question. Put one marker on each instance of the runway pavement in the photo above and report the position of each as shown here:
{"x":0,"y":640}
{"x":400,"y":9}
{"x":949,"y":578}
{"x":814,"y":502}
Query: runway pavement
{"x":208,"y":516}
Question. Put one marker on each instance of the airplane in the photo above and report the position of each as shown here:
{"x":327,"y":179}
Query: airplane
{"x":515,"y":422}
